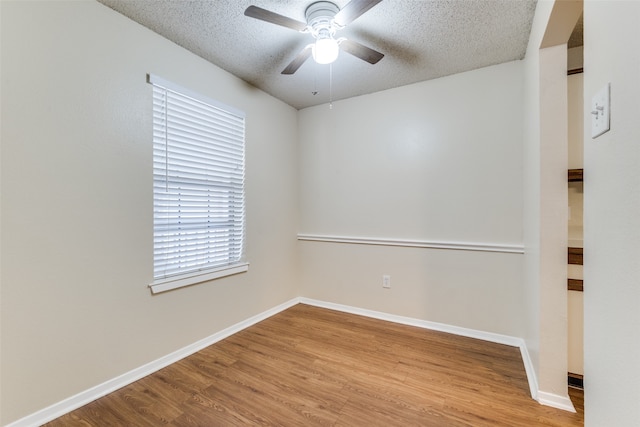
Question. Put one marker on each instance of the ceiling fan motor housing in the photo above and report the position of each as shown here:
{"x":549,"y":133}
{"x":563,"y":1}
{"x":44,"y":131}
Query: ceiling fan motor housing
{"x":320,"y":18}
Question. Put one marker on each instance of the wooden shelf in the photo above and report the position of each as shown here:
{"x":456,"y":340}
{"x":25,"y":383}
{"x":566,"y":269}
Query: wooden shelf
{"x":574,"y":256}
{"x":575,"y":285}
{"x":575,"y":175}
{"x":576,"y":380}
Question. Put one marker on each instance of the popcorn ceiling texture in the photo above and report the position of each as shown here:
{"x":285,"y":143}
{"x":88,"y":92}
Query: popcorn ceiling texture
{"x":421,"y":40}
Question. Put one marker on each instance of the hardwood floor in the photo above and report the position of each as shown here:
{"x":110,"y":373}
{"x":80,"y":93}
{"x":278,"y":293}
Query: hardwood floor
{"x":309,"y":366}
{"x":577,"y":398}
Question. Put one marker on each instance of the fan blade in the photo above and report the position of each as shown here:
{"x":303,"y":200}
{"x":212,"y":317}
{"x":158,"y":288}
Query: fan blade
{"x":353,"y":10}
{"x":361,"y":51}
{"x":298,"y":61}
{"x":274,"y":18}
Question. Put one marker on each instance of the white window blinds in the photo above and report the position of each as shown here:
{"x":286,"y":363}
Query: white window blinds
{"x":198,"y":185}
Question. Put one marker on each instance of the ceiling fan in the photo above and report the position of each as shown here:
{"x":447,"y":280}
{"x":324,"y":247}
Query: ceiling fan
{"x":324,"y":20}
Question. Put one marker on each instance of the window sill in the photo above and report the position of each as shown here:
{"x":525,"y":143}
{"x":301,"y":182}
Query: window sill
{"x":170,"y":283}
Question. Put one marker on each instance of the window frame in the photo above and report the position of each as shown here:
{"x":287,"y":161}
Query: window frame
{"x":236,"y":257}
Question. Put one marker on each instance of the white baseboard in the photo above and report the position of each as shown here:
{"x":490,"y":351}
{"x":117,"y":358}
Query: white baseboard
{"x":532,"y":378}
{"x":543,"y":397}
{"x":456,"y":330}
{"x":556,"y":401}
{"x":74,"y":402}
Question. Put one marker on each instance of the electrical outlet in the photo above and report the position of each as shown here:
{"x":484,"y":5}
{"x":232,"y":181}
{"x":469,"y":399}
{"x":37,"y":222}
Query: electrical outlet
{"x":386,"y":281}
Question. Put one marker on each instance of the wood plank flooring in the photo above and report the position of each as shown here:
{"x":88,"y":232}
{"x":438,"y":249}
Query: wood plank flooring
{"x":309,"y":366}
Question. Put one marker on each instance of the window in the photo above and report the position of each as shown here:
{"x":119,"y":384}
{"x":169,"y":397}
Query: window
{"x":198,"y":188}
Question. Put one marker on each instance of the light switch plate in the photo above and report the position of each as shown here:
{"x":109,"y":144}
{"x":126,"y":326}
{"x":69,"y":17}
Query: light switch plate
{"x":600,"y":112}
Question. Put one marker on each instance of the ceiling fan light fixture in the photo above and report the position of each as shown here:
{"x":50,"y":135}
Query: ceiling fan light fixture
{"x":323,"y":20}
{"x":325,"y":51}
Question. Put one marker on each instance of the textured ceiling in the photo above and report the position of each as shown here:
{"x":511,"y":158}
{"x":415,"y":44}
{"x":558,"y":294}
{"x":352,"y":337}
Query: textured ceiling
{"x":421,"y":40}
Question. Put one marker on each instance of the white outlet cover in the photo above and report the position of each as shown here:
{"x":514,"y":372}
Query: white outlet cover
{"x":600,"y":112}
{"x":386,"y":281}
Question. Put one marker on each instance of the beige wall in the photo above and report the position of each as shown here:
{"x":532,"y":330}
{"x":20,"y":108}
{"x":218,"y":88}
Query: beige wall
{"x":553,"y":220}
{"x":434,"y":161}
{"x":437,"y":160}
{"x":612,"y":219}
{"x":77,"y":203}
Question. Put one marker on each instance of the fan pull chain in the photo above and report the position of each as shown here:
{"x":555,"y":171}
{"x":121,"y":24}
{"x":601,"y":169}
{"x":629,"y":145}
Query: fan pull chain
{"x":314,"y":92}
{"x":331,"y":86}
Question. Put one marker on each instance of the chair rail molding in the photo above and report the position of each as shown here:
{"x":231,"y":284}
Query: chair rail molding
{"x":425,"y":244}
